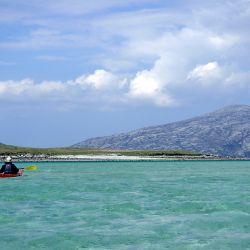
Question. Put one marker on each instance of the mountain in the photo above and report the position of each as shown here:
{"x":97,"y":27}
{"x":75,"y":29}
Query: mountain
{"x":225,"y":132}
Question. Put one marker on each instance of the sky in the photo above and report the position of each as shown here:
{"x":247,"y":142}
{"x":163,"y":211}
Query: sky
{"x":75,"y":69}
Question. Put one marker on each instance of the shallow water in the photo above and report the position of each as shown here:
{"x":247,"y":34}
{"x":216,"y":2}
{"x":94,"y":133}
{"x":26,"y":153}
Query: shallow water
{"x":127,"y":205}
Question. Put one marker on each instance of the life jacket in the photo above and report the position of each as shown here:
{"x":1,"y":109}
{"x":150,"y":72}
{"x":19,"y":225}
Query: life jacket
{"x":8,"y":168}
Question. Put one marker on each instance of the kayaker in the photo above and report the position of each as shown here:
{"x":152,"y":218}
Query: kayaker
{"x":9,"y":167}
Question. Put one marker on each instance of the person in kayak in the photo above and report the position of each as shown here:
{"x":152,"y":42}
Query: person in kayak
{"x":9,"y":167}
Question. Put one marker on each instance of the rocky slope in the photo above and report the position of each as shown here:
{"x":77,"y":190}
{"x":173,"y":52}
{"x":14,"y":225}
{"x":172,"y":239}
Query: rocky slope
{"x":225,"y":132}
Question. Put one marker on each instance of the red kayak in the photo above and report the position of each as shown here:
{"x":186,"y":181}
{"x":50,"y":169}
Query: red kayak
{"x":20,"y":173}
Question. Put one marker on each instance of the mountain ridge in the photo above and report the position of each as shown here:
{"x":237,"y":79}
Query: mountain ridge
{"x":224,"y":132}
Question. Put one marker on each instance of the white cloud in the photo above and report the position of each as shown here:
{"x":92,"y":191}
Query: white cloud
{"x":26,"y":88}
{"x":100,"y":87}
{"x":144,"y":84}
{"x":97,"y":87}
{"x":206,"y":73}
{"x":100,"y":80}
{"x":223,"y":41}
{"x":153,"y":51}
{"x":147,"y":86}
{"x":49,"y":86}
{"x":225,"y":77}
{"x":15,"y":88}
{"x":156,"y":86}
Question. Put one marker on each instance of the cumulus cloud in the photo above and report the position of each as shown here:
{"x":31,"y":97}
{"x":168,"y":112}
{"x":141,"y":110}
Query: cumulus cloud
{"x":144,"y":84}
{"x":148,"y":53}
{"x":99,"y":87}
{"x":100,"y":80}
{"x":206,"y":73}
{"x":15,"y":88}
{"x":28,"y":88}
{"x":226,"y":76}
{"x":104,"y":88}
{"x":147,"y":85}
{"x":223,"y":41}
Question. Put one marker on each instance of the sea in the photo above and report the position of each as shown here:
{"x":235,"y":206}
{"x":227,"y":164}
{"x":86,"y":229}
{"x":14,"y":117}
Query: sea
{"x":127,"y":205}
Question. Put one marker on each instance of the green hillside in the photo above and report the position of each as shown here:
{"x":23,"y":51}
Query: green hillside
{"x":14,"y":150}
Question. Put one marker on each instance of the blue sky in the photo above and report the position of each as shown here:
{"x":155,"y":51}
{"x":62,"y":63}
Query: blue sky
{"x":70,"y":70}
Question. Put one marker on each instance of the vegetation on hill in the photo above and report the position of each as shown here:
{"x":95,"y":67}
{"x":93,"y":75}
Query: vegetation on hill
{"x":14,"y":150}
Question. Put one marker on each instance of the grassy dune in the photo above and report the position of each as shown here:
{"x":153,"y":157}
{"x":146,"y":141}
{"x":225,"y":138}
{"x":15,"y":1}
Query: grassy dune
{"x":13,"y":150}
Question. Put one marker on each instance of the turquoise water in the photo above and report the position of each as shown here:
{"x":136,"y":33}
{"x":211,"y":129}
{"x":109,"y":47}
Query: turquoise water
{"x":127,"y":205}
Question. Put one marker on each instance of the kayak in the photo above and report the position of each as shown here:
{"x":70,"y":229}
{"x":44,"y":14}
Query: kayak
{"x":20,"y":173}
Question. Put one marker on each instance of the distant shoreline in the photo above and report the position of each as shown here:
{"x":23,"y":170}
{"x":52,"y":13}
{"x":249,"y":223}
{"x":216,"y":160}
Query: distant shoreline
{"x":22,"y":154}
{"x":114,"y":157}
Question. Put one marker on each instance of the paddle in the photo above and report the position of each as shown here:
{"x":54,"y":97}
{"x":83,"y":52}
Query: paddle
{"x":30,"y":168}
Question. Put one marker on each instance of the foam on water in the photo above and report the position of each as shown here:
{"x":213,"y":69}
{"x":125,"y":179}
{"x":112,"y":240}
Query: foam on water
{"x":128,"y":205}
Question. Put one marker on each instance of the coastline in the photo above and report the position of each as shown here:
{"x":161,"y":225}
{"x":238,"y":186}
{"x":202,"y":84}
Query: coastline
{"x":114,"y":157}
